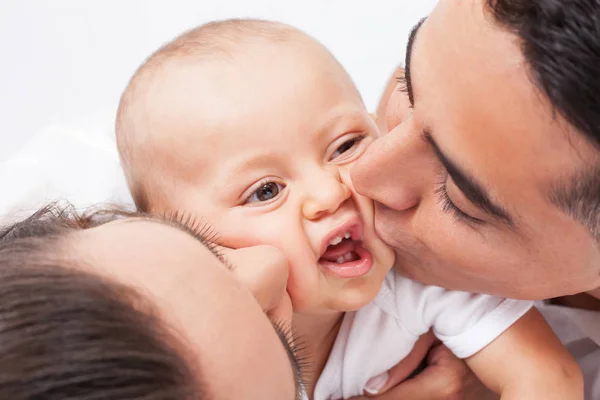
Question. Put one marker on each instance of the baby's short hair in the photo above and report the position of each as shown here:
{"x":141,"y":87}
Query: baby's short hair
{"x":72,"y":335}
{"x":219,"y":40}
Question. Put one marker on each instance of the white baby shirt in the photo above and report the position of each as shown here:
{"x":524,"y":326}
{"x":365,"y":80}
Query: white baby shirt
{"x":379,"y":335}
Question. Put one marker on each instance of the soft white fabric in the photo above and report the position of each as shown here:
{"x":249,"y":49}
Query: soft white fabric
{"x":376,"y":337}
{"x":579,"y":330}
{"x":77,"y":162}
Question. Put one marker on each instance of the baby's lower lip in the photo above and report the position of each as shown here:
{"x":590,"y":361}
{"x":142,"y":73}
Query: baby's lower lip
{"x":350,"y":269}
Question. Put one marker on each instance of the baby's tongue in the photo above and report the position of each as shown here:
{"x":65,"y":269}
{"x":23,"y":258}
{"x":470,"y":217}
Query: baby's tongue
{"x":334,"y":252}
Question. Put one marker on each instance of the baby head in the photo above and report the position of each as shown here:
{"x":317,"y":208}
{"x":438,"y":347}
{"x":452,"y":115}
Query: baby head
{"x":253,"y":126}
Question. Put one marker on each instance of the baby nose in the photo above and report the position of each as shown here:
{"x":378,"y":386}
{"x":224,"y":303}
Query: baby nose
{"x":325,"y":197}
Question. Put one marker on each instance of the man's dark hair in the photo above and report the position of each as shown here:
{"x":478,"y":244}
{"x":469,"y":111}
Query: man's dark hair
{"x":66,"y":334}
{"x":560,"y":40}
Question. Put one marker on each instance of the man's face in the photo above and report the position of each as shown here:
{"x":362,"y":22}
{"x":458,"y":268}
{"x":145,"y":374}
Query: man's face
{"x":462,"y":184}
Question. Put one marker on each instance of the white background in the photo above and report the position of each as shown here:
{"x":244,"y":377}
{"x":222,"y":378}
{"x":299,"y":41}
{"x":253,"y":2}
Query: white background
{"x":61,"y":60}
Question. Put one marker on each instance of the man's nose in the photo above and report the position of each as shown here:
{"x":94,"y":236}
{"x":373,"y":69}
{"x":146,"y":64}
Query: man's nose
{"x":325,"y":195}
{"x":395,"y":169}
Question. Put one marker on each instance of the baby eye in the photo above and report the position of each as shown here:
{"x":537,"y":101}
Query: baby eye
{"x":266,"y":192}
{"x":347,"y":145}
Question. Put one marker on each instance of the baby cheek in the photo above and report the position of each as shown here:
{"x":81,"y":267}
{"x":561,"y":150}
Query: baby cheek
{"x":237,"y":231}
{"x":288,"y":236}
{"x":304,"y":276}
{"x":271,"y":230}
{"x":382,"y":253}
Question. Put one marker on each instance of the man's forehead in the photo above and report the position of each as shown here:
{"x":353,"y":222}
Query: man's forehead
{"x":470,"y":75}
{"x":483,"y":63}
{"x":465,"y":33}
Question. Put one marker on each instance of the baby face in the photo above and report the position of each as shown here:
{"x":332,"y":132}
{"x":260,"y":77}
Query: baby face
{"x":262,"y":148}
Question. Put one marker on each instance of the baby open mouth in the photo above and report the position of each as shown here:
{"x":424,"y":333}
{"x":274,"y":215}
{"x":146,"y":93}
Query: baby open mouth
{"x":341,"y":250}
{"x":344,"y":255}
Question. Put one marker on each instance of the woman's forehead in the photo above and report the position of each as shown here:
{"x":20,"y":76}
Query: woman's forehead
{"x":138,"y":249}
{"x":173,"y":268}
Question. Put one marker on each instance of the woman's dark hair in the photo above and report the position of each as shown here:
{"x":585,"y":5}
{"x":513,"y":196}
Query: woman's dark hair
{"x":560,"y":40}
{"x":67,"y":334}
{"x":57,"y":219}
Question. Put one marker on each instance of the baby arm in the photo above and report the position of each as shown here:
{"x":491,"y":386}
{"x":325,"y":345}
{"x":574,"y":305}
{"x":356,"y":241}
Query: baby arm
{"x":528,"y":361}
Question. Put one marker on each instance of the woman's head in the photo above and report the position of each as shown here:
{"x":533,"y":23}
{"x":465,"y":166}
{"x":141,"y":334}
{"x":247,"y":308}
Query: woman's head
{"x":213,"y":332}
{"x":70,"y":334}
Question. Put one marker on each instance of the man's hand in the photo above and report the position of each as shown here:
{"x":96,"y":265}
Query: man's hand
{"x":445,"y":378}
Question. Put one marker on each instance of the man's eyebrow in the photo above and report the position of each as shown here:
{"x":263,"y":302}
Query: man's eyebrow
{"x":409,"y":49}
{"x":472,"y":190}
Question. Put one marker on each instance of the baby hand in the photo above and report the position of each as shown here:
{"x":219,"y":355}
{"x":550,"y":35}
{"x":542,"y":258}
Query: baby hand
{"x":264,"y":271}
